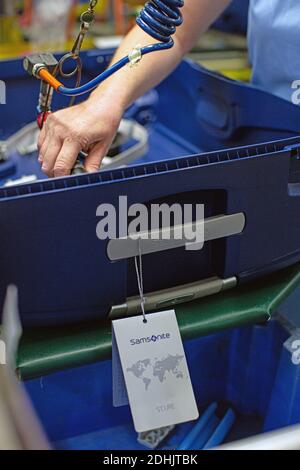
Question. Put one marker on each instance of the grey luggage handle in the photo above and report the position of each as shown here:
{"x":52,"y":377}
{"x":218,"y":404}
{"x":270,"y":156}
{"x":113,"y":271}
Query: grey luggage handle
{"x":153,"y":241}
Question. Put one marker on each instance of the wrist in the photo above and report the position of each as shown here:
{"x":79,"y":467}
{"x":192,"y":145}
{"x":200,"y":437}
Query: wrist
{"x":102,"y":104}
{"x":113,"y":94}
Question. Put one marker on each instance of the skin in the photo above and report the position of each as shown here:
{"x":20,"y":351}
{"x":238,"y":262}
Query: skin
{"x":92,"y":125}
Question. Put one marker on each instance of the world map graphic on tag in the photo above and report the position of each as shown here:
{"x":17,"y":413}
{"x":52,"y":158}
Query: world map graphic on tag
{"x":146,"y":370}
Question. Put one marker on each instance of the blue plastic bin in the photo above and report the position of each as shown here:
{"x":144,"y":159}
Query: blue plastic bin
{"x":260,"y":181}
{"x":249,"y":369}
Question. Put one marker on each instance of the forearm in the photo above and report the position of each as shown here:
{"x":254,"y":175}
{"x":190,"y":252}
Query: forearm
{"x":129,"y":83}
{"x":91,"y":125}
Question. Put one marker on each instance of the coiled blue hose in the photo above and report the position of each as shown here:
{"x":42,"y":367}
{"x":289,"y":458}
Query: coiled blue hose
{"x":159,"y":19}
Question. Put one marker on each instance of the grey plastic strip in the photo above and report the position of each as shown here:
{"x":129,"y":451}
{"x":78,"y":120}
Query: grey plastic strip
{"x":170,"y":297}
{"x":152,"y":242}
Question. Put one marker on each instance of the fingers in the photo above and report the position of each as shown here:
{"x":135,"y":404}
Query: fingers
{"x":95,"y":156}
{"x":66,"y":157}
{"x":43,"y":141}
{"x":53,"y":150}
{"x":42,"y":137}
{"x":43,"y":148}
{"x":66,"y":133}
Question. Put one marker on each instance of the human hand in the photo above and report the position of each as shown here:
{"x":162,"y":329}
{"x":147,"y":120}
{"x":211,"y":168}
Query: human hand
{"x":90,"y":127}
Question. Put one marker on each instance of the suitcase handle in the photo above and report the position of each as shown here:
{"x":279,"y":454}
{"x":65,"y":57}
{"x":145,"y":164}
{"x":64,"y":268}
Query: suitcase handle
{"x":153,"y":241}
{"x":169,"y":298}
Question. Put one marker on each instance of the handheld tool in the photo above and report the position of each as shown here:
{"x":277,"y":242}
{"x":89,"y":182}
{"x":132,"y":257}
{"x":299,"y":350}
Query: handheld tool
{"x":159,"y":19}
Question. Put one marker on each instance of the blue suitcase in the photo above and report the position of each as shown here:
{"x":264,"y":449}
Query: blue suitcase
{"x":48,"y":243}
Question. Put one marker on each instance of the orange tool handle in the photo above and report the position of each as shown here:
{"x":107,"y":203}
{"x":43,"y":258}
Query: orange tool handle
{"x":47,"y":77}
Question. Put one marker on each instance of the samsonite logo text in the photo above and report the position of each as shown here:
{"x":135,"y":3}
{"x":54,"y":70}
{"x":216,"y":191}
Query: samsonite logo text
{"x":150,"y":339}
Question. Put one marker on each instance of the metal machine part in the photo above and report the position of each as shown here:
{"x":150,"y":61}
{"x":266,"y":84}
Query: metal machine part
{"x":152,"y":439}
{"x":47,"y":65}
{"x":25,"y":143}
{"x":87,"y":18}
{"x":33,"y":64}
{"x":174,"y":296}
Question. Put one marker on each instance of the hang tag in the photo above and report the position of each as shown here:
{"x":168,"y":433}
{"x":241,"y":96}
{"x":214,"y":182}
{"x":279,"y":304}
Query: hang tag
{"x":155,"y":371}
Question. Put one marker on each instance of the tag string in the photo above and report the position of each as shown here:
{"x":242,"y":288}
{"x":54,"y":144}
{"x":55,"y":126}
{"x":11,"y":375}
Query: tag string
{"x":140,"y":281}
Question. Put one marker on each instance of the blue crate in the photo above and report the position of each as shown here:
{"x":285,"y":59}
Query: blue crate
{"x":218,"y":112}
{"x":248,"y":369}
{"x":262,"y":181}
